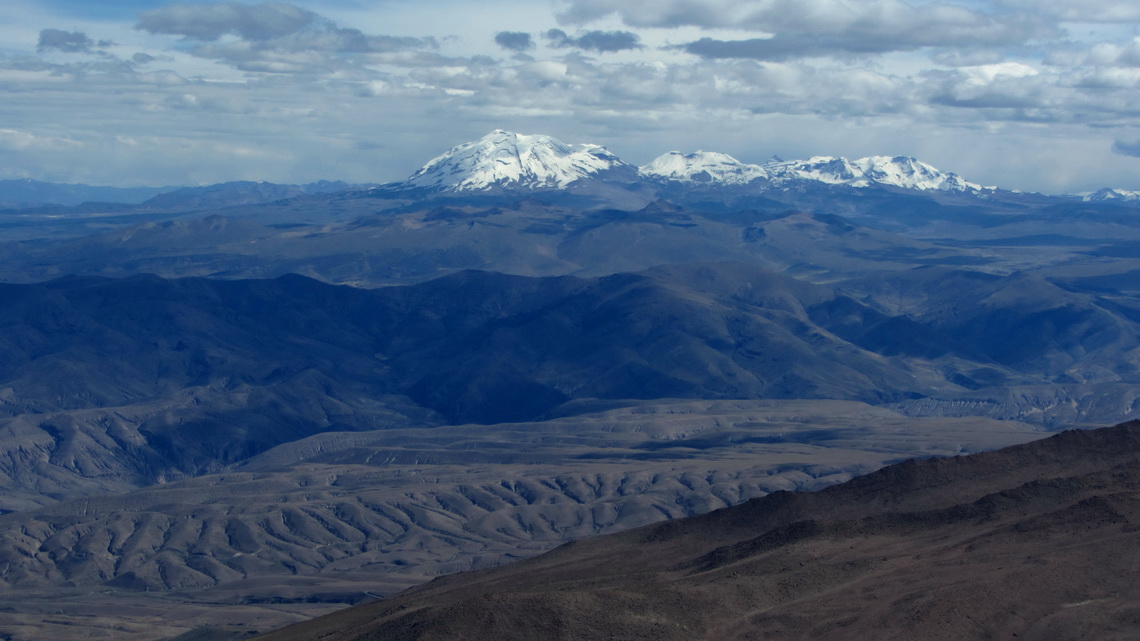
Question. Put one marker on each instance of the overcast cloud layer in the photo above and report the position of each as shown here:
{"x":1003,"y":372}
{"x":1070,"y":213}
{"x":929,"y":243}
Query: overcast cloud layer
{"x":1039,"y":95}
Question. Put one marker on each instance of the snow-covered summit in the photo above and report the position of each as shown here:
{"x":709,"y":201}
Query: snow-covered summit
{"x":895,"y":171}
{"x":1110,"y":195}
{"x":716,"y":168}
{"x":503,"y":160}
{"x":702,"y":167}
{"x":507,"y":160}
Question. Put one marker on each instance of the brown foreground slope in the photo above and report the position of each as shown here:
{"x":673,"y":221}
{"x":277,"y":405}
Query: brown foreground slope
{"x":1036,"y":541}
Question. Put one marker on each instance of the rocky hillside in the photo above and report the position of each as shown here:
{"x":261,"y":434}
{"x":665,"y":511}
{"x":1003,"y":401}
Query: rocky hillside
{"x":1037,"y":541}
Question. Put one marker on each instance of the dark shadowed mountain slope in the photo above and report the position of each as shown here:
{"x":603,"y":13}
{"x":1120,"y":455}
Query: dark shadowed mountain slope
{"x":142,"y":379}
{"x":1021,"y":320}
{"x":1036,"y":541}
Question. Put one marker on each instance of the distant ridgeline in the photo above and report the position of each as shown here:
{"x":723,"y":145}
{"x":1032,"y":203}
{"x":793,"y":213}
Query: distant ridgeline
{"x":504,"y":161}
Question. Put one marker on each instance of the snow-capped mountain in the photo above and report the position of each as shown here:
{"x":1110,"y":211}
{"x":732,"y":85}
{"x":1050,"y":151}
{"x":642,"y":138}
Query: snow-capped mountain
{"x":511,"y":161}
{"x":897,"y":171}
{"x":894,"y":171}
{"x":507,"y":161}
{"x":1110,"y":195}
{"x":702,"y":167}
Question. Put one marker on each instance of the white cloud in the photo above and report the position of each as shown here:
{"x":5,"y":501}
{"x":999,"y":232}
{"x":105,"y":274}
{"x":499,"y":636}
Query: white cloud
{"x":837,"y":25}
{"x":272,"y":37}
{"x":1113,"y":54}
{"x":21,"y":140}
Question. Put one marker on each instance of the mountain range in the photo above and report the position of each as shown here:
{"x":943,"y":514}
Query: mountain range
{"x":147,"y":381}
{"x":258,"y":442}
{"x":531,"y":205}
{"x":228,"y":408}
{"x":504,"y":160}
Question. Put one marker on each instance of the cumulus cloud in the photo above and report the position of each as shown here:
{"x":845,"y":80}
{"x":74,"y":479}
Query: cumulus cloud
{"x":69,"y":41}
{"x":600,"y":41}
{"x":895,"y":66}
{"x":212,"y":21}
{"x":1009,"y":86}
{"x":514,"y":40}
{"x":661,"y":13}
{"x":1111,"y":54}
{"x":273,"y":37}
{"x":810,"y":28}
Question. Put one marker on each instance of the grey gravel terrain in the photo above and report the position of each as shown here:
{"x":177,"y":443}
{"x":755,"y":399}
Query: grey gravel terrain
{"x":1037,"y":541}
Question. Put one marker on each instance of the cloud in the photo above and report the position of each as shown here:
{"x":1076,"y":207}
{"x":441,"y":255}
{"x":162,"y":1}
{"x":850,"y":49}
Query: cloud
{"x":69,"y":41}
{"x":22,"y":140}
{"x":968,"y":57}
{"x":1111,"y":54}
{"x":1004,"y":86}
{"x":212,"y":21}
{"x":275,"y":37}
{"x":1127,"y":148}
{"x":812,"y":28}
{"x":661,"y":13}
{"x":1079,"y":10}
{"x":260,"y":74}
{"x":600,"y":41}
{"x":781,"y":48}
{"x":514,"y":40}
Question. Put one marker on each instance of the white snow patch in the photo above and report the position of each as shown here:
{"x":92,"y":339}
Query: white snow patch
{"x":506,"y":159}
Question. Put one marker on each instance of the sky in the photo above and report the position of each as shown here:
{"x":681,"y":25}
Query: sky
{"x":1036,"y":95}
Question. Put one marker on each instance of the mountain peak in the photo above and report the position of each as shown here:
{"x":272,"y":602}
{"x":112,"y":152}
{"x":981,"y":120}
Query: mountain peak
{"x":511,"y":161}
{"x":905,"y":171}
{"x":894,"y":171}
{"x":702,"y":167}
{"x":505,"y":161}
{"x":1108,"y":194}
{"x":716,"y":168}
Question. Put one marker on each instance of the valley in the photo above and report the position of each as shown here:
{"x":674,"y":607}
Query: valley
{"x":340,"y":518}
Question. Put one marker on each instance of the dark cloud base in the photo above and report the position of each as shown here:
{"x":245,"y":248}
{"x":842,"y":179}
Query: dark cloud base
{"x":1127,"y":148}
{"x":514,"y":40}
{"x":69,"y":41}
{"x":600,"y":41}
